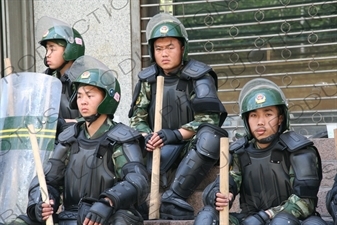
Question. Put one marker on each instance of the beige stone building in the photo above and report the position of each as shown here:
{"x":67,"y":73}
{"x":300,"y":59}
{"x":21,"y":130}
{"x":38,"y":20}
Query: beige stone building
{"x":291,"y":42}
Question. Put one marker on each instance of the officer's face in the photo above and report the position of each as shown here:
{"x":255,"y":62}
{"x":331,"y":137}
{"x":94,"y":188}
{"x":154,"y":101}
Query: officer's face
{"x":264,"y":122}
{"x":168,"y":53}
{"x":88,"y":99}
{"x":54,"y":55}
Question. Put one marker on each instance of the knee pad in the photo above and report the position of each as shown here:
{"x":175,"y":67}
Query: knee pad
{"x":126,"y":217}
{"x":208,"y":140}
{"x":285,"y":218}
{"x":208,"y":215}
{"x":314,"y":220}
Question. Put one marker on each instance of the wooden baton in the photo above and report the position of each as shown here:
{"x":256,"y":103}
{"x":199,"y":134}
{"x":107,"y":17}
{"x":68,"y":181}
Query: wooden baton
{"x":224,"y":170}
{"x":155,"y":174}
{"x":39,"y":169}
{"x":335,"y":137}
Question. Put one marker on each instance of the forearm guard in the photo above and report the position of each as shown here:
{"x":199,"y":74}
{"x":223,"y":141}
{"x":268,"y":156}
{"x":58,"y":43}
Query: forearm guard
{"x":132,"y":190}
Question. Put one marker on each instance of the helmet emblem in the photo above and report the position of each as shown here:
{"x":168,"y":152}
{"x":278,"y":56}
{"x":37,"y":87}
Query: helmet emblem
{"x":163,"y":29}
{"x":117,"y":97}
{"x":78,"y":41}
{"x":260,"y":98}
{"x":85,"y":75}
{"x":45,"y":34}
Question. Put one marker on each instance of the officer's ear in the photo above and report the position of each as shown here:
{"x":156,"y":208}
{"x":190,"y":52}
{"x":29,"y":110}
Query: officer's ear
{"x":280,"y":119}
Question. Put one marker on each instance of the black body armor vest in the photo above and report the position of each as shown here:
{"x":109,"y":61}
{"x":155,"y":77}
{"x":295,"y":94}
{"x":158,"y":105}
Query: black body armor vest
{"x":265,"y":177}
{"x":88,"y":172}
{"x":176,"y":108}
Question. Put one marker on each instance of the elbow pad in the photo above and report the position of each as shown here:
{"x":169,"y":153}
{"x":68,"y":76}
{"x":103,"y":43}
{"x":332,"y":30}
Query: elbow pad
{"x":307,"y":174}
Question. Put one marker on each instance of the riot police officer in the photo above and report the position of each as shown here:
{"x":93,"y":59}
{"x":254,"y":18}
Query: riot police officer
{"x":276,"y":172}
{"x":63,"y":45}
{"x":192,"y":114}
{"x":97,"y":165}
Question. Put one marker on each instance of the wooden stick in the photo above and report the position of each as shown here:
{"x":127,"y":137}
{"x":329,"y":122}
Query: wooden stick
{"x":155,"y":175}
{"x":8,"y":67}
{"x":39,"y":169}
{"x":9,"y":70}
{"x":224,"y":170}
{"x":335,"y":137}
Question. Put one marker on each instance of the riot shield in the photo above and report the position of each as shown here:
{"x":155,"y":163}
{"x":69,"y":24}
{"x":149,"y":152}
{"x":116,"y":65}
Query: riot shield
{"x":25,"y":98}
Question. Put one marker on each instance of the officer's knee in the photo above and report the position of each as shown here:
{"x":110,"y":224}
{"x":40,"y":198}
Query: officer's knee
{"x":285,"y":218}
{"x":208,"y":215}
{"x":314,"y":220}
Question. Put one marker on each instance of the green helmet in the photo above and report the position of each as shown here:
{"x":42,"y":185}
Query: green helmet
{"x":88,"y":70}
{"x":260,"y":93}
{"x":50,"y":29}
{"x":165,"y":25}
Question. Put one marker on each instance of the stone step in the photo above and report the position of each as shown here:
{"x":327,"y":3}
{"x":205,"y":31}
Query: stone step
{"x":325,"y":146}
{"x":190,"y":222}
{"x":168,"y":222}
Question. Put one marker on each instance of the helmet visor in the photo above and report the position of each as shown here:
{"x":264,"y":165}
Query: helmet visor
{"x":85,"y":63}
{"x":163,"y":18}
{"x":48,"y":28}
{"x":259,"y":84}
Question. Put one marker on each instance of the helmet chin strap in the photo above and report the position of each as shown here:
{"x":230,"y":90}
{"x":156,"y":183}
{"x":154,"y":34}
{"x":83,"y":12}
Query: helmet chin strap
{"x":267,"y":140}
{"x":270,"y":138}
{"x":92,"y":118}
{"x":62,"y":66}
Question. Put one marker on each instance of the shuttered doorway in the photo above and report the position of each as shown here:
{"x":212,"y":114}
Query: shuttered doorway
{"x":291,"y":42}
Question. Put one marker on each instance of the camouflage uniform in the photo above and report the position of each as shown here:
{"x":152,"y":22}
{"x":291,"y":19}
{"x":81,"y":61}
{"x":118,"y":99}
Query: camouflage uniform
{"x":190,"y":102}
{"x":139,"y":120}
{"x":101,"y":177}
{"x":277,"y":184}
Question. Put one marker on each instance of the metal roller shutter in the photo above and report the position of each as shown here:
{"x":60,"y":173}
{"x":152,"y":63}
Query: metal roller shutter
{"x":291,"y":42}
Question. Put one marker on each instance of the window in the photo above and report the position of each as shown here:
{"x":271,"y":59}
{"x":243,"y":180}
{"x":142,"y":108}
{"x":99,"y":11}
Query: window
{"x":17,"y":36}
{"x":291,"y":42}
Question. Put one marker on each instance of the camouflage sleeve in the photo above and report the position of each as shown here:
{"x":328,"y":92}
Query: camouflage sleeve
{"x":235,"y":171}
{"x":299,"y":207}
{"x":212,"y":118}
{"x":139,"y":118}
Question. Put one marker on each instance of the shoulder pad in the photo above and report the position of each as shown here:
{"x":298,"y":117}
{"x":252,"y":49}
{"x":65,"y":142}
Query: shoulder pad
{"x":195,"y":69}
{"x":148,"y":74}
{"x":238,"y":144}
{"x":294,"y":141}
{"x":122,"y":133}
{"x":69,"y":133}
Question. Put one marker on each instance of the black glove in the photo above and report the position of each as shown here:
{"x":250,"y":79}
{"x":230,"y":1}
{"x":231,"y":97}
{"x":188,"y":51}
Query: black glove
{"x":100,"y":212}
{"x":34,"y":212}
{"x":259,"y":218}
{"x":38,"y":211}
{"x":170,"y":136}
{"x":147,"y":138}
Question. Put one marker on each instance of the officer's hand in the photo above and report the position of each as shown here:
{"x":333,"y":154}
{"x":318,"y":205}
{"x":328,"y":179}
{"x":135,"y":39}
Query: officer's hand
{"x":222,"y":200}
{"x":169,"y":136}
{"x":148,"y":143}
{"x":259,"y":218}
{"x":99,"y":213}
{"x":44,"y":210}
